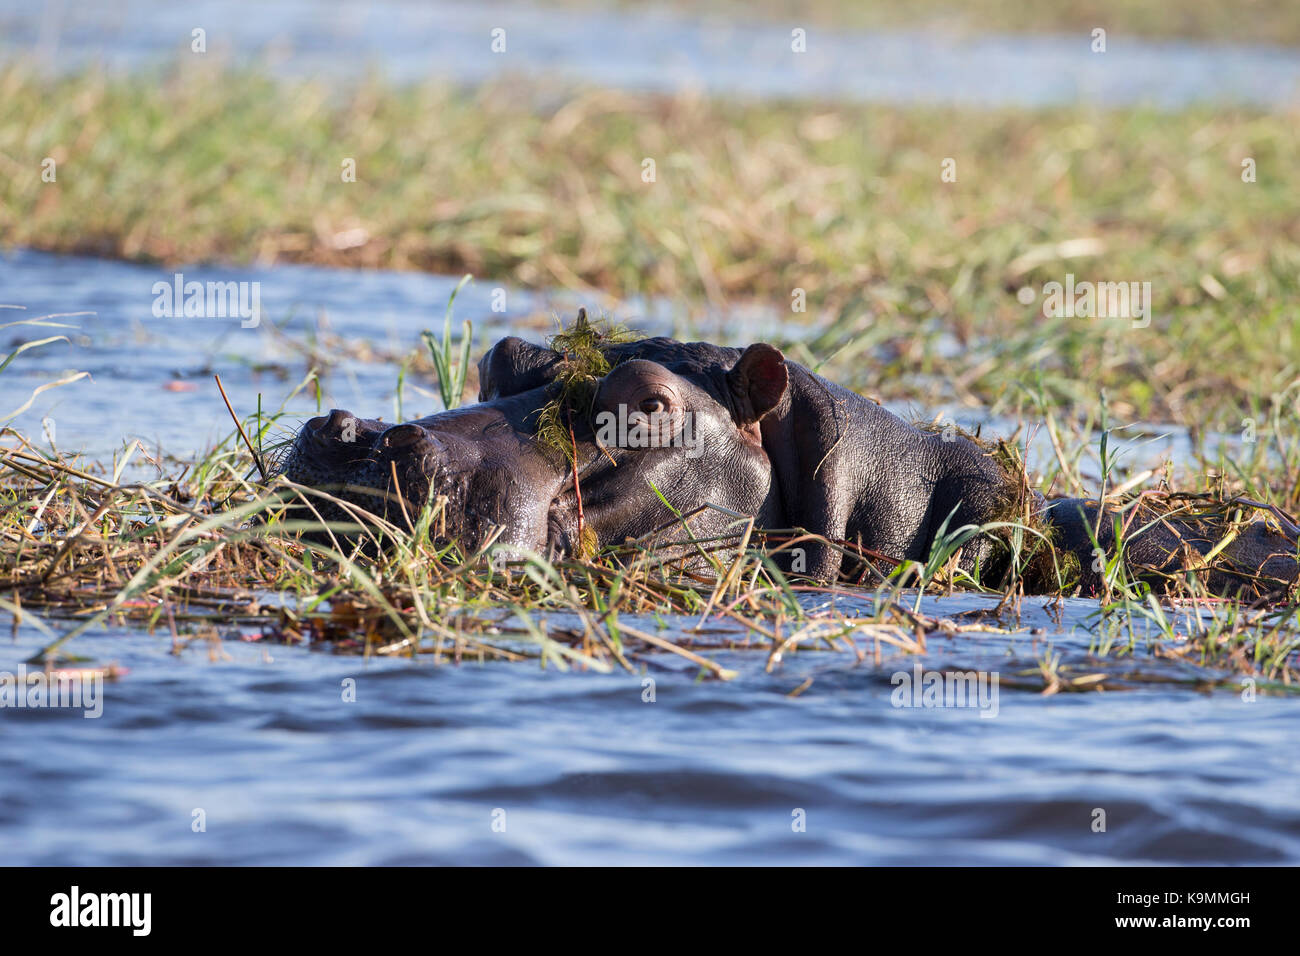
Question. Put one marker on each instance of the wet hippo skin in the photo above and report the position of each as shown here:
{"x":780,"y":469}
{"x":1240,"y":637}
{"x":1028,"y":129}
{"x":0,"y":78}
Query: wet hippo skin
{"x":769,"y":439}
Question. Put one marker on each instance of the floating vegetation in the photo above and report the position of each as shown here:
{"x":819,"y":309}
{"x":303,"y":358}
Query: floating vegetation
{"x":209,"y":556}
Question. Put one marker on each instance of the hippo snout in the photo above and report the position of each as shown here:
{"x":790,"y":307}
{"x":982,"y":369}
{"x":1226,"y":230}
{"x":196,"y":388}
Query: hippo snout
{"x":331,"y":449}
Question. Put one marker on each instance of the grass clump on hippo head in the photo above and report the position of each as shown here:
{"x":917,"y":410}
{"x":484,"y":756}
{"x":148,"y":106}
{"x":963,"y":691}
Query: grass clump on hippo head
{"x":581,"y":347}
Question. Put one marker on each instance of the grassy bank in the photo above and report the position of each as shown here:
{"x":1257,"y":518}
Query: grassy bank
{"x":918,"y":276}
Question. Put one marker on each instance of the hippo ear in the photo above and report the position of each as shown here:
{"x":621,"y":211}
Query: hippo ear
{"x":513,"y":366}
{"x":757,"y":381}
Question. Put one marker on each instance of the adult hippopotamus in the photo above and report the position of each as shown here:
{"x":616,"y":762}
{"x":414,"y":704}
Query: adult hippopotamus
{"x":641,"y":432}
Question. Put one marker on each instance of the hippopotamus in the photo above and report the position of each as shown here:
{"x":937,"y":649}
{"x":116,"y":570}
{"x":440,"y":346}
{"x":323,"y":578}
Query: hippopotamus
{"x":663,"y":429}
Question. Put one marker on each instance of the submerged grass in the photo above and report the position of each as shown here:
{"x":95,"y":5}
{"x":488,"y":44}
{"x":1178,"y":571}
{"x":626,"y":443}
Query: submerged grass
{"x":907,"y":279}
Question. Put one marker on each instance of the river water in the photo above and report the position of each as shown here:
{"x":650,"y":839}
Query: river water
{"x":641,"y":48}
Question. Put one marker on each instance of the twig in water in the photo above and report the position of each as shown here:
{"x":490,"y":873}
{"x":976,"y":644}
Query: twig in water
{"x":577,"y":488}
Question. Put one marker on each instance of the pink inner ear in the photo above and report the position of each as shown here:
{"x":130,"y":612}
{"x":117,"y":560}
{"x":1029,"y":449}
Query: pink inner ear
{"x":766,"y":377}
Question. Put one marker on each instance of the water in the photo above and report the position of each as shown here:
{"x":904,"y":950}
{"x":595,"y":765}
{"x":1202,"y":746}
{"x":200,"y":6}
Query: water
{"x":587,"y":773}
{"x":151,"y":378}
{"x":640,"y":49}
{"x":419,"y":767}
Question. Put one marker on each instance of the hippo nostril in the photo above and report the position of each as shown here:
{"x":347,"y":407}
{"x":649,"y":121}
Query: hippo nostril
{"x":339,"y":419}
{"x":336,"y":424}
{"x":403,"y":436}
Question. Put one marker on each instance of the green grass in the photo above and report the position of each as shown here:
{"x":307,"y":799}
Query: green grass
{"x":751,"y":202}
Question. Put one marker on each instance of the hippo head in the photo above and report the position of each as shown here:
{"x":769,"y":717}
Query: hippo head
{"x":667,"y":427}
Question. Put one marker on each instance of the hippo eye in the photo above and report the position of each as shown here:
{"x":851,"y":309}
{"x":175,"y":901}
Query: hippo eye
{"x":654,"y":405}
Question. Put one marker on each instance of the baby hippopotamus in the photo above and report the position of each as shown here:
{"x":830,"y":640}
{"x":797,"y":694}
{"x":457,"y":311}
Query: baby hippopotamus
{"x":564,"y":453}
